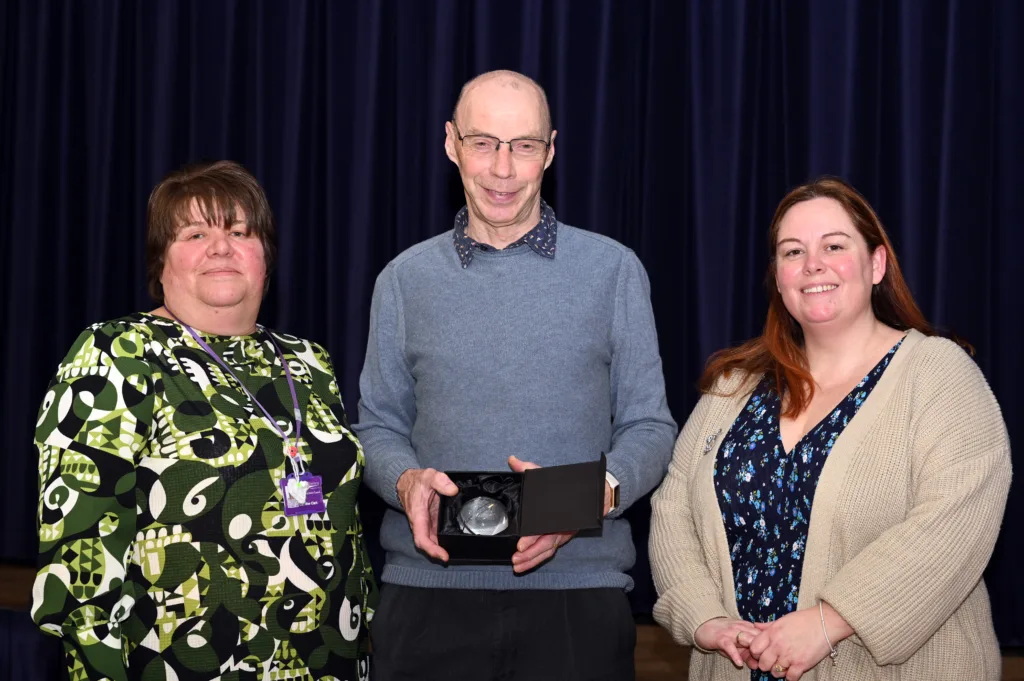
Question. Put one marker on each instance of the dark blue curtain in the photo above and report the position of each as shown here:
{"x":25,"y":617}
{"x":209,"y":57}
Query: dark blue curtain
{"x":681,"y":124}
{"x":25,"y":654}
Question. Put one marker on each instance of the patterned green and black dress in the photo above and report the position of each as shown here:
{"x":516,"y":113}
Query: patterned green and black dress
{"x":165,"y":551}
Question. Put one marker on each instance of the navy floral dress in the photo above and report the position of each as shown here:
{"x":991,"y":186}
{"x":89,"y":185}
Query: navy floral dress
{"x":765,"y":495}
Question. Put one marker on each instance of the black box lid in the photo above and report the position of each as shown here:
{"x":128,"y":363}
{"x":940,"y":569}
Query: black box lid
{"x":563,"y":498}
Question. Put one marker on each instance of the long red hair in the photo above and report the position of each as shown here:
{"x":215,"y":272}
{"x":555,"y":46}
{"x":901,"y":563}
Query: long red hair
{"x":779,"y":351}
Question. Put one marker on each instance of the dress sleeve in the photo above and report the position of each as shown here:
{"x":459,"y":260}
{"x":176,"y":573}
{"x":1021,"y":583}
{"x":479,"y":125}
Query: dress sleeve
{"x":93,"y":424}
{"x":904,"y":585}
{"x":360,"y":588}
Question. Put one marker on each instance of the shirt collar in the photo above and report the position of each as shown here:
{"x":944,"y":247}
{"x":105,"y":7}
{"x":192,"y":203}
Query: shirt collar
{"x":541,"y":239}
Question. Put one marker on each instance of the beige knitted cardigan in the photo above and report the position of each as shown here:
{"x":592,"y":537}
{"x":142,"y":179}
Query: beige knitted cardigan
{"x":904,"y":518}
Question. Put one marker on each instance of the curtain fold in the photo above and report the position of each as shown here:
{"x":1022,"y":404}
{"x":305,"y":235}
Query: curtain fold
{"x":26,"y":653}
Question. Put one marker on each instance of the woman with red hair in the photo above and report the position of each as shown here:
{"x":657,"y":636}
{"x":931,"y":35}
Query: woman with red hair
{"x":837,"y":491}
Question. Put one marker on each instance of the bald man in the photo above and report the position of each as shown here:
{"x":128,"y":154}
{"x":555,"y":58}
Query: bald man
{"x":511,"y":340}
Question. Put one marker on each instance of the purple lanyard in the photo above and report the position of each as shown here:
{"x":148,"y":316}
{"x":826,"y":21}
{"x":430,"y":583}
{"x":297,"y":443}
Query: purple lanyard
{"x":292,"y":451}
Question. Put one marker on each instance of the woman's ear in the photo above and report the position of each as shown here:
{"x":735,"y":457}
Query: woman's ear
{"x":878,"y":263}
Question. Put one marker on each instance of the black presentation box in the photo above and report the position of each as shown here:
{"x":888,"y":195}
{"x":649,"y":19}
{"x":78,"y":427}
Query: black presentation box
{"x":539,"y":501}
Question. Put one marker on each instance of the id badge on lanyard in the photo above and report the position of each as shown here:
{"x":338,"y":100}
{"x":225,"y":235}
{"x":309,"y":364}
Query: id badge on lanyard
{"x":302,"y":491}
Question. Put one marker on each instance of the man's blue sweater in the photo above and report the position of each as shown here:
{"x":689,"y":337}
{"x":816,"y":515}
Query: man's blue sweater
{"x":554,"y":360}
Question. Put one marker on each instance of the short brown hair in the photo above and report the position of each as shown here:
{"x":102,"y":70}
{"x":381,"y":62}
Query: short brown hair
{"x":219,"y":188}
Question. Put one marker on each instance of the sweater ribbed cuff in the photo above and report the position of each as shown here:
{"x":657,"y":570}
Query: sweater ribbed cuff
{"x":682,"y":614}
{"x":389,"y":480}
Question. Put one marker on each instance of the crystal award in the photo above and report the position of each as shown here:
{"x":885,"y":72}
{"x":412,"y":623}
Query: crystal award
{"x":484,"y":516}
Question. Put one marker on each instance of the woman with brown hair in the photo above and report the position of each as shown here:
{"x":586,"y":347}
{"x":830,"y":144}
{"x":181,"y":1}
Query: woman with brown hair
{"x":837,"y":491}
{"x":198,"y":476}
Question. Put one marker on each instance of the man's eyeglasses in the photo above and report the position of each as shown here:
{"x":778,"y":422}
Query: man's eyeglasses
{"x":525,"y":148}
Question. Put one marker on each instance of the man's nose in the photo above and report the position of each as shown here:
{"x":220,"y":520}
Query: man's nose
{"x":503,"y":166}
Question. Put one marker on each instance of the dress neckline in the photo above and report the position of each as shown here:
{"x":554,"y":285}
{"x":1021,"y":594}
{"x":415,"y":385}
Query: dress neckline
{"x":860,"y":384}
{"x":258,"y":335}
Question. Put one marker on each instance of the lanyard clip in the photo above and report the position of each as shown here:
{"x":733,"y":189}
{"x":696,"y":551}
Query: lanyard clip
{"x":295,"y":458}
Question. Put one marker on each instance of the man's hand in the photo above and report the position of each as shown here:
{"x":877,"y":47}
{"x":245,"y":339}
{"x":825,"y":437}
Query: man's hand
{"x":536,"y":549}
{"x":728,"y":637}
{"x":417,"y":490}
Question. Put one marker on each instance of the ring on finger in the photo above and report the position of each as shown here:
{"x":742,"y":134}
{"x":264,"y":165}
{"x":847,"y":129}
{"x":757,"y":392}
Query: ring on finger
{"x":738,"y":641}
{"x":779,"y":669}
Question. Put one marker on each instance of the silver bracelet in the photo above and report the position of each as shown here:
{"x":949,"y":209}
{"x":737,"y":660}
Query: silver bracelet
{"x":834,"y":653}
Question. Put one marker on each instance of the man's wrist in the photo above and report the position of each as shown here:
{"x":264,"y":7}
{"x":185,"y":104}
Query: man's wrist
{"x":611,"y":486}
{"x":398,"y":485}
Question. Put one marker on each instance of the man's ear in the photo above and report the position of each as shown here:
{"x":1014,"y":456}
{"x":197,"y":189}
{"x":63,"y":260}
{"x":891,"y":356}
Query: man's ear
{"x":551,"y":150}
{"x":450,"y":138}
